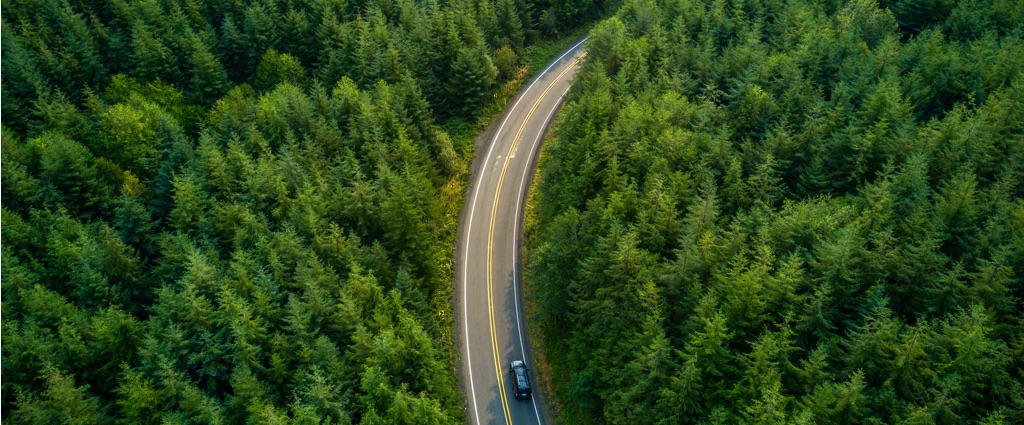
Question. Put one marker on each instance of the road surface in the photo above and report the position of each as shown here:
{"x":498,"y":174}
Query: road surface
{"x":491,"y":324}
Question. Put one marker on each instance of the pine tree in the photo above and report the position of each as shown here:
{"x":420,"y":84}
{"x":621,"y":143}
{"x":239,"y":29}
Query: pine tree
{"x":68,"y":168}
{"x":473,"y":78}
{"x":140,"y":400}
{"x":259,"y":33}
{"x":232,"y":50}
{"x":296,"y":29}
{"x":82,"y":45}
{"x":129,"y":135}
{"x":61,"y":401}
{"x":23,"y":82}
{"x":152,"y":59}
{"x":510,"y":30}
{"x":277,"y":68}
{"x":208,"y":79}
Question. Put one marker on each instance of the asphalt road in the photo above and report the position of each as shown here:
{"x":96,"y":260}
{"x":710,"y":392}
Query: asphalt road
{"x":491,"y":323}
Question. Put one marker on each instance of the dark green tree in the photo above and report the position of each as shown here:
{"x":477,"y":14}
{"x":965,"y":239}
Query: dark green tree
{"x":472,"y":80}
{"x":208,"y":79}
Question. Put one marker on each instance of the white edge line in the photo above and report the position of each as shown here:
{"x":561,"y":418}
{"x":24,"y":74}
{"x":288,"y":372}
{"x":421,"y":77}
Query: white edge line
{"x":469,"y":227}
{"x":515,"y":231}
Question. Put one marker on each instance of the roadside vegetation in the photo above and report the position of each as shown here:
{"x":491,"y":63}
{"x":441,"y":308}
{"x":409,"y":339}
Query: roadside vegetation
{"x":243,"y":211}
{"x":774,"y":212}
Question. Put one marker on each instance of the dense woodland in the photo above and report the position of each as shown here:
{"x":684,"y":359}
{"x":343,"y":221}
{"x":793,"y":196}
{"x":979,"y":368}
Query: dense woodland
{"x":789,"y":211}
{"x":242,"y":211}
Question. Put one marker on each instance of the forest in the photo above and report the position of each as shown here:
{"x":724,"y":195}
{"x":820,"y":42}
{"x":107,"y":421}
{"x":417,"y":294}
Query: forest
{"x":788,"y":211}
{"x":243,"y":211}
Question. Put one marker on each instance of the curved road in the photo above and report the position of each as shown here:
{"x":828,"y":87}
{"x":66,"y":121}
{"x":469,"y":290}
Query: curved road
{"x":491,"y":322}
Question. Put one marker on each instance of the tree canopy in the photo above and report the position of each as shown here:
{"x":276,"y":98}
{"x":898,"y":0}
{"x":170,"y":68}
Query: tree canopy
{"x":797,"y":211}
{"x":242,"y":211}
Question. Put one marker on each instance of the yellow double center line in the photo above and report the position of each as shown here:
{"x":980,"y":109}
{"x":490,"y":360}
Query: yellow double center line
{"x":490,"y":245}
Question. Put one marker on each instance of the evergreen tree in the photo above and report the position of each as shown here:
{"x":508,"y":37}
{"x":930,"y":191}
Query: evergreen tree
{"x":23,"y":82}
{"x":509,"y":29}
{"x":473,"y":77}
{"x":817,"y":217}
{"x":62,"y":401}
{"x":208,"y":78}
{"x":152,"y":58}
{"x":277,"y":68}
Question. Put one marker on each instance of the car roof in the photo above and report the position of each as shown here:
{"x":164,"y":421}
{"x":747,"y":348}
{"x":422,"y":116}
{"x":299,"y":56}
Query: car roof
{"x":523,"y":383}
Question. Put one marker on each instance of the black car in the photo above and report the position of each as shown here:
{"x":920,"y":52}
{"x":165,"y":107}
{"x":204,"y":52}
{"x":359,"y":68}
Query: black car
{"x":520,"y":379}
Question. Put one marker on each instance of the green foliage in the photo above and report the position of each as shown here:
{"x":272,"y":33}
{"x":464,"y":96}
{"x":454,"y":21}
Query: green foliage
{"x":209,"y":79}
{"x":277,"y":68}
{"x":129,"y":135}
{"x":73,"y":179}
{"x":61,"y":402}
{"x":203,"y":49}
{"x":474,"y":75}
{"x":234,"y":212}
{"x":812,"y":201}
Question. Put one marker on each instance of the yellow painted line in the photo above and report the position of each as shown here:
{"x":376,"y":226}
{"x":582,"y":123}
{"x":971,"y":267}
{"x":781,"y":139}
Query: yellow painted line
{"x":490,"y":247}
